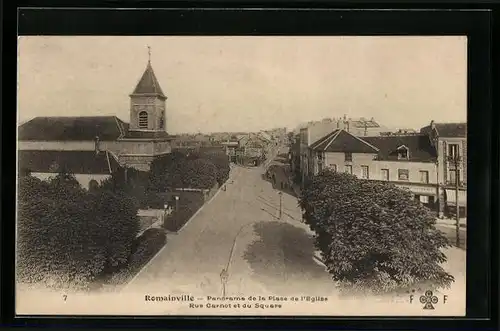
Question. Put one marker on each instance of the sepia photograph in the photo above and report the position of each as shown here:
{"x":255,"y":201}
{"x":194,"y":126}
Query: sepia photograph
{"x":241,"y":175}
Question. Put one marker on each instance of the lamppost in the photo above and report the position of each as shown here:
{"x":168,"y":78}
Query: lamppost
{"x":281,"y":204}
{"x":176,"y":203}
{"x":456,"y":160}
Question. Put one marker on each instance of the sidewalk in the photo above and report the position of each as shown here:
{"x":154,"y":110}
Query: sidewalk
{"x":451,"y":222}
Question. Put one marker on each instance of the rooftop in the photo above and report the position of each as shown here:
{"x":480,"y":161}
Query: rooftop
{"x":148,"y":84}
{"x":76,"y":162}
{"x":448,"y":130}
{"x":419,"y":147}
{"x":82,"y":128}
{"x":342,"y":141}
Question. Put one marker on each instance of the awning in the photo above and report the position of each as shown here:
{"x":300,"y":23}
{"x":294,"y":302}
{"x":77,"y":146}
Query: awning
{"x":451,"y":197}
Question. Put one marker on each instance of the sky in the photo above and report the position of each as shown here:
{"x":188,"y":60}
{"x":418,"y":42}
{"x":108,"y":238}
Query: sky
{"x":249,"y":83}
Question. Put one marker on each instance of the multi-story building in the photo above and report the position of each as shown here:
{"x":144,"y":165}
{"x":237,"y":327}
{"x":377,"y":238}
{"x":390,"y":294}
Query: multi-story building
{"x":410,"y":161}
{"x":313,"y":131}
{"x":450,"y":140}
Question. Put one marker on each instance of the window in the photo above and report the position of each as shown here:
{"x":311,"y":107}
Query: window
{"x":348,"y":169}
{"x":93,"y":185}
{"x":403,"y":174}
{"x":385,"y":174}
{"x":453,"y":175}
{"x":365,"y":172}
{"x":320,"y":162}
{"x":162,"y":120}
{"x":424,"y":199}
{"x":143,"y":120}
{"x":348,"y":157}
{"x":453,"y":151}
{"x":402,"y":153}
{"x":424,"y":177}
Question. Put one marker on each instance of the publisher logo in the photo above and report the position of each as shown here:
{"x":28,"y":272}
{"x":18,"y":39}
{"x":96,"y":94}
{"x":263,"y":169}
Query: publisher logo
{"x":428,"y":300}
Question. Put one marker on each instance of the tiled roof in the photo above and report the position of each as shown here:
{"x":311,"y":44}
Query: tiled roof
{"x":448,"y":130}
{"x":148,"y":84}
{"x":72,"y":128}
{"x":419,"y":146}
{"x":147,"y":135}
{"x":342,"y":141}
{"x":77,"y":162}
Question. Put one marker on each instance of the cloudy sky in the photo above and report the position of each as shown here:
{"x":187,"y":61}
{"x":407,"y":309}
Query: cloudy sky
{"x":249,"y":83}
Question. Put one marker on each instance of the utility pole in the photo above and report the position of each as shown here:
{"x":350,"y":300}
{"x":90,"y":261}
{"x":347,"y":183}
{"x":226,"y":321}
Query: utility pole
{"x":456,"y":160}
{"x":457,"y":180}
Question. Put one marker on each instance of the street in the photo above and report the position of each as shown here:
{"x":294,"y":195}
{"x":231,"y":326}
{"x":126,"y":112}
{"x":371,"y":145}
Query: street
{"x":270,"y":256}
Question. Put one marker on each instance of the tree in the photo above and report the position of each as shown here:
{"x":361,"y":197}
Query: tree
{"x":66,"y":236}
{"x":200,"y":174}
{"x":374,"y":236}
{"x":182,"y":170}
{"x":168,"y":171}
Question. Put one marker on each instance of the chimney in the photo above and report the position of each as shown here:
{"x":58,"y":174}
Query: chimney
{"x":433,"y":125}
{"x":96,"y":145}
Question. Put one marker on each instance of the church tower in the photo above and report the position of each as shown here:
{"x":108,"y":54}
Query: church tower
{"x":147,"y":103}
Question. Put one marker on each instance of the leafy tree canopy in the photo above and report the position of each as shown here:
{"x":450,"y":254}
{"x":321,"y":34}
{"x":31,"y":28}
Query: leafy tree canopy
{"x":373,"y":235}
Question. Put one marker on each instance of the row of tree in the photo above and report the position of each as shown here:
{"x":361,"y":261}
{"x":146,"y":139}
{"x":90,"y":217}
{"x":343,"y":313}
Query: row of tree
{"x":373,"y":236}
{"x":198,"y":170}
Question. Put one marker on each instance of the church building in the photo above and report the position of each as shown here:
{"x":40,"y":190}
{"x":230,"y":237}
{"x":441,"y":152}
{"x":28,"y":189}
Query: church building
{"x":134,"y":144}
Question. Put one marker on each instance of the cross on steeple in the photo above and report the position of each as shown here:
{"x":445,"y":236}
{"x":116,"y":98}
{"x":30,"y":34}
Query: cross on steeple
{"x":149,"y":54}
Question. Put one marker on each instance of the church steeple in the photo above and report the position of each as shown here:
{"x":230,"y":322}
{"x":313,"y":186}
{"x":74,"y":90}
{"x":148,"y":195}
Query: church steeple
{"x":148,"y":85}
{"x":147,"y":108}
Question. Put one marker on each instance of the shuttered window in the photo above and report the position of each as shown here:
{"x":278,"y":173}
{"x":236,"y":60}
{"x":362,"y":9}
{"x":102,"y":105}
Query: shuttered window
{"x":143,"y":120}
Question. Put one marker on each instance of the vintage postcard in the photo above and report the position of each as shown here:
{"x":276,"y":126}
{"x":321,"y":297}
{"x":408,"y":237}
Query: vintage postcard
{"x":291,"y":176}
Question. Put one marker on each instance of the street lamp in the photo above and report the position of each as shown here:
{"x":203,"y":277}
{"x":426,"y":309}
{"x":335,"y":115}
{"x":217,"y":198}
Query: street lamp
{"x":281,"y":203}
{"x":176,"y":203}
{"x":456,"y":160}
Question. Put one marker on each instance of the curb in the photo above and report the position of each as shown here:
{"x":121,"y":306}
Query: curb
{"x":317,"y":257}
{"x":173,"y":233}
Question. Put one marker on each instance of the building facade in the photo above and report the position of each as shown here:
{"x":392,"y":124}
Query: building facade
{"x":409,"y":162}
{"x":450,"y":141}
{"x":313,"y":131}
{"x":135,"y":144}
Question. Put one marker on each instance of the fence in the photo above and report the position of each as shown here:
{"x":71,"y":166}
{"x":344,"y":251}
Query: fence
{"x":151,"y":218}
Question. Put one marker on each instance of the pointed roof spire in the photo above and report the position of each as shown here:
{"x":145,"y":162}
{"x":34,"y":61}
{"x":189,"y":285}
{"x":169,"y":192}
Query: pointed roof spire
{"x":148,"y":84}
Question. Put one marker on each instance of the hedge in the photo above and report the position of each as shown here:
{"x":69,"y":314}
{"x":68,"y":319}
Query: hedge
{"x":374,"y":236}
{"x":188,"y":206}
{"x":146,"y":246}
{"x":66,"y":236}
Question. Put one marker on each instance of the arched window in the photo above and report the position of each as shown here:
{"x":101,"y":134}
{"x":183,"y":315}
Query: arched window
{"x":143,"y":120}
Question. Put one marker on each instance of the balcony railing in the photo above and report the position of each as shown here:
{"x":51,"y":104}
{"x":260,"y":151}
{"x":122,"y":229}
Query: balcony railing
{"x":461,"y":183}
